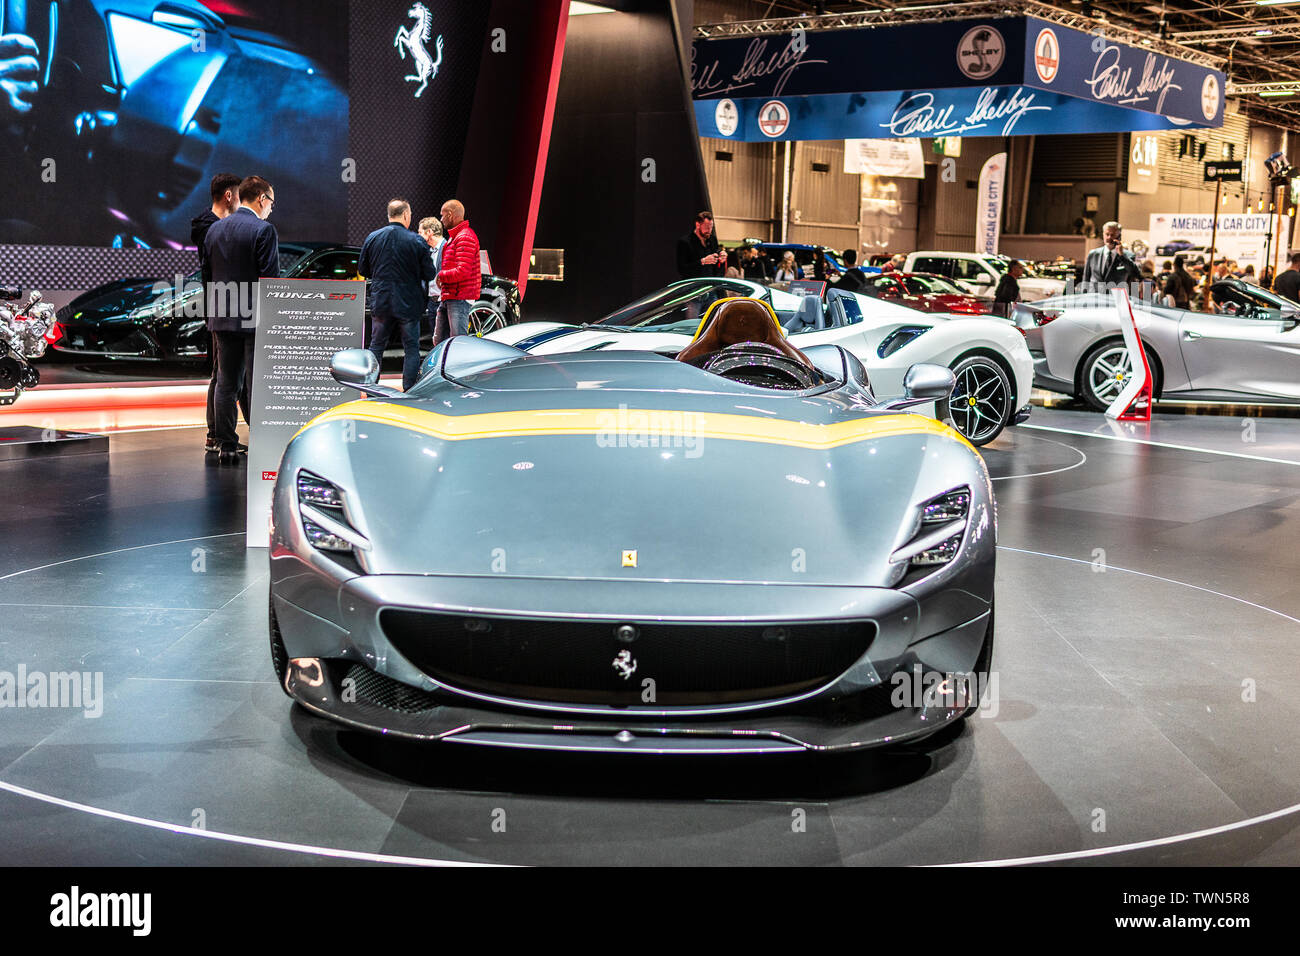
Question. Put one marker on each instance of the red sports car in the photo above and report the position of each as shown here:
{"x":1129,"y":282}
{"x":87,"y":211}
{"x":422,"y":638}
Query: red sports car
{"x":925,"y":293}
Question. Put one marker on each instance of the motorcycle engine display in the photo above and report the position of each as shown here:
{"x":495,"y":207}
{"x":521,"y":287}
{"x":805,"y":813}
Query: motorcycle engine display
{"x":24,"y":329}
{"x":22,"y":337}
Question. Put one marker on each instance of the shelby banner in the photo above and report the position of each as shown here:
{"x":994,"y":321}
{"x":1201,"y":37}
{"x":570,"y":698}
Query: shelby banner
{"x":927,"y":113}
{"x":1094,"y":67}
{"x":999,"y":77}
{"x":301,"y":323}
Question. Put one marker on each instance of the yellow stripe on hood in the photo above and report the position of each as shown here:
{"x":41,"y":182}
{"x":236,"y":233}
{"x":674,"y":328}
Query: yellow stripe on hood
{"x":610,"y":421}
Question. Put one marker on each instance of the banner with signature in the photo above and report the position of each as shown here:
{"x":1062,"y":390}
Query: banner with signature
{"x":987,"y":111}
{"x":919,"y":55}
{"x":950,"y":56}
{"x":1095,"y":67}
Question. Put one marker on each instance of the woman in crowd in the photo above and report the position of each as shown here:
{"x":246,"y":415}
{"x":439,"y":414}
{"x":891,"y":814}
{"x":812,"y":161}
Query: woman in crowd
{"x":787,"y":270}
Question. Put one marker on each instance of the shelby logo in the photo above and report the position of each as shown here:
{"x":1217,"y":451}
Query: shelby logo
{"x":412,"y":40}
{"x":332,"y":296}
{"x":75,"y":909}
{"x":980,"y":52}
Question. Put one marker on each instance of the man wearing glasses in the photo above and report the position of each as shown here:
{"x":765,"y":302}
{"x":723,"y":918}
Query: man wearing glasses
{"x":241,"y":249}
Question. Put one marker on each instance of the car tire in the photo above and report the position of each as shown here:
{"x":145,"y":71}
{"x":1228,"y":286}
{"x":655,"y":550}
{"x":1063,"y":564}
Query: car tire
{"x":279,"y":656}
{"x":485,"y":317}
{"x":1104,"y":371}
{"x":983,"y":420}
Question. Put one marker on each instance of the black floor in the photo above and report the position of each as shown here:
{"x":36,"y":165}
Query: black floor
{"x":1148,"y":622}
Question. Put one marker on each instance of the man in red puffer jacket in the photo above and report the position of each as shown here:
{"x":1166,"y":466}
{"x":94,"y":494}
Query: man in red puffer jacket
{"x":460,"y":277}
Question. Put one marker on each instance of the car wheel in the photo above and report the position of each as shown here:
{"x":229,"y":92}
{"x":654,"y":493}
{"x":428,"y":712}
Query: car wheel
{"x":1105,"y":371}
{"x":485,"y":318}
{"x":980,"y":404}
{"x":279,"y":656}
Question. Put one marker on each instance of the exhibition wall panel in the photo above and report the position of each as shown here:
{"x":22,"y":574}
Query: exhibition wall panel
{"x":624,"y":178}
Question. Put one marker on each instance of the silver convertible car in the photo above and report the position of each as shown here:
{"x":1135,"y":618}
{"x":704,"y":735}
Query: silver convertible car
{"x":1247,"y":349}
{"x":738,"y":550}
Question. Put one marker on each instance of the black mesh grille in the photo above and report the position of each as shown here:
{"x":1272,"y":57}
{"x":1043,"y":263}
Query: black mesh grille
{"x":575,"y":661}
{"x":373,"y":688}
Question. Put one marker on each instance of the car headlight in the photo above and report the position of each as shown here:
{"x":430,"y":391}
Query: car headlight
{"x":324,"y":519}
{"x":949,"y":507}
{"x":938,"y":539}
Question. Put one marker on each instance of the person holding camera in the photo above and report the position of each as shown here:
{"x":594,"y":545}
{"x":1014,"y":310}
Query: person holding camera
{"x":698,"y":253}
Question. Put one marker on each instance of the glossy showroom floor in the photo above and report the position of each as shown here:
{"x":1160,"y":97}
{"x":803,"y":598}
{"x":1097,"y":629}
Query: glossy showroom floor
{"x":1125,"y":728}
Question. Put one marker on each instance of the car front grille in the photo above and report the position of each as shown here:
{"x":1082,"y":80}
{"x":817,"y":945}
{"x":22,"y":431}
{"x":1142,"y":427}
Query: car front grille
{"x":589,"y":662}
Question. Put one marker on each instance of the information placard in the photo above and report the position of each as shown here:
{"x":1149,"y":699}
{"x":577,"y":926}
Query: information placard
{"x":301,"y":323}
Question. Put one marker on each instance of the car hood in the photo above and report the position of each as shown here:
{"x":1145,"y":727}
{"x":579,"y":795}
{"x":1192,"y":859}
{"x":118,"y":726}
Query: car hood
{"x":716,"y":496}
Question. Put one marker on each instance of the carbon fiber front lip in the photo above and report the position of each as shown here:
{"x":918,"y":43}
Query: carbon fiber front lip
{"x":311,"y":683}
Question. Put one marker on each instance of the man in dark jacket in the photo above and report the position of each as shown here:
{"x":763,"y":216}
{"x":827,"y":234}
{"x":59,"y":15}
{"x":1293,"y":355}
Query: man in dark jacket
{"x":754,"y":265}
{"x":241,"y":249}
{"x":1287,"y":283}
{"x":698,"y":253}
{"x":225,"y":200}
{"x":854,"y":279}
{"x":1007,"y":293}
{"x":397,"y":263}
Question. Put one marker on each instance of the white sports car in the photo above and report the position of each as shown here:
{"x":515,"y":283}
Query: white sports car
{"x":992,"y":363}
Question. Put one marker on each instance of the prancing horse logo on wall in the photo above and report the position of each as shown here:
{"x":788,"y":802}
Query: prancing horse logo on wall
{"x":624,"y":664}
{"x":426,"y":67}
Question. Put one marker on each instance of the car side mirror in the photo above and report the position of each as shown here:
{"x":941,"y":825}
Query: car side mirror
{"x":983,"y":278}
{"x":924,"y":383}
{"x":359,"y":369}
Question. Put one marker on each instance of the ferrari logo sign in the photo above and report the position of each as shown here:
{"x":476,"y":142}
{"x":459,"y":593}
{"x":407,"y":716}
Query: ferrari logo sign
{"x":624,"y":664}
{"x":629,"y":559}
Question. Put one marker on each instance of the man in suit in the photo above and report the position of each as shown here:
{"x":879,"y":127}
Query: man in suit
{"x":1108,"y":265}
{"x":240,"y":249}
{"x":398,"y":264}
{"x":225,"y":200}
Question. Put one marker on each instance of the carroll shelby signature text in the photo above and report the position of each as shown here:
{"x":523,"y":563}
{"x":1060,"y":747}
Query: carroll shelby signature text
{"x":1112,"y":84}
{"x":919,"y":116}
{"x":761,"y":60}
